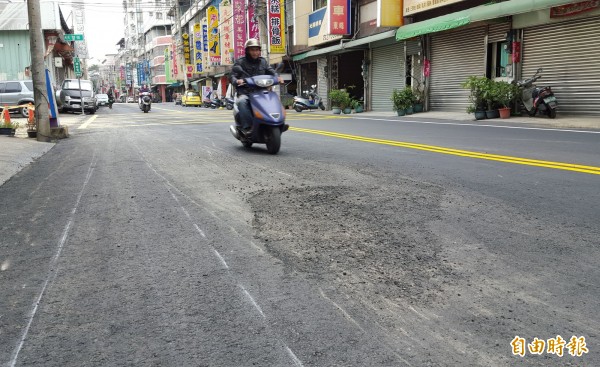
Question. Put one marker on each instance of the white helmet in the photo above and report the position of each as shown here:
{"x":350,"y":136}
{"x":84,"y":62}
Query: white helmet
{"x":252,"y":42}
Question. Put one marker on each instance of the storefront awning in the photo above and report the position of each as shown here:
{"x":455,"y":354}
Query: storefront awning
{"x":176,"y":85}
{"x":347,"y":45}
{"x":476,"y":14}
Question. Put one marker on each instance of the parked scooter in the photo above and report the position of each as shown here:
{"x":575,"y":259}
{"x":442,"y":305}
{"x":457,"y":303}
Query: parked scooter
{"x":313,"y":101}
{"x":537,"y":98}
{"x":228,"y":102}
{"x":268,"y":121}
{"x":145,"y":101}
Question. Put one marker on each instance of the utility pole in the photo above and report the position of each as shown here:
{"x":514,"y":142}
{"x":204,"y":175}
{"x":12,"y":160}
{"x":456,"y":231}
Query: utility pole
{"x":38,"y":70}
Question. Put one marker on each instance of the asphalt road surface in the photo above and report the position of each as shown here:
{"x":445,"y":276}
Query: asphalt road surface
{"x":158,"y":240}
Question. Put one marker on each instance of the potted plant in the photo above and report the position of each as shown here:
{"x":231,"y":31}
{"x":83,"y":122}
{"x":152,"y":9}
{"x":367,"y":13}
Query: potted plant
{"x":506,"y":94}
{"x":8,"y":128}
{"x":357,"y":105}
{"x":490,"y":98}
{"x":402,"y":100}
{"x":477,"y":86}
{"x":287,"y":101}
{"x":419,"y":94}
{"x":340,"y":100}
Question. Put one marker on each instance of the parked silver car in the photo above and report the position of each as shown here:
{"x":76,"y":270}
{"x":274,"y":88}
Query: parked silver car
{"x":69,"y":96}
{"x":16,"y":92}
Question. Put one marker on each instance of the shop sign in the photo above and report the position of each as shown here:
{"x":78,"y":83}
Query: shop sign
{"x":205,"y":57}
{"x":276,"y":23}
{"x":573,"y":9}
{"x":198,"y":47}
{"x":318,"y":28}
{"x":416,"y":6}
{"x":253,"y":29}
{"x":239,"y":31}
{"x":214,"y":48}
{"x":339,"y":16}
{"x":389,"y":13}
{"x":226,"y":32}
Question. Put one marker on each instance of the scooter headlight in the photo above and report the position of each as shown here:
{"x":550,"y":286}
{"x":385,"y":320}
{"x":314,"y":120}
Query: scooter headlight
{"x":264,"y":83}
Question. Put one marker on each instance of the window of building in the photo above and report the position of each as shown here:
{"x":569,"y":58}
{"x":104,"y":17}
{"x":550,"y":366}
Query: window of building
{"x":318,"y":4}
{"x":159,"y":16}
{"x":151,"y":14}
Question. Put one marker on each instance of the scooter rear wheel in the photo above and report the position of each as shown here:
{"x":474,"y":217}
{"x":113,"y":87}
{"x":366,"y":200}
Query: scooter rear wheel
{"x":551,"y":112}
{"x":298,"y":108}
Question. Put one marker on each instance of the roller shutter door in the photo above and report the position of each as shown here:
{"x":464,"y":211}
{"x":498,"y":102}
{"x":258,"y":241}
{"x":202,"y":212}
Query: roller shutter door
{"x":454,"y":57}
{"x":388,"y":73}
{"x":569,"y":54}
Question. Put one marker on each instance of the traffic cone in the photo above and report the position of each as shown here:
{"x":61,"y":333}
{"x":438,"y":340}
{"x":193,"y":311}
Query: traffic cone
{"x":6,"y":115}
{"x":30,"y":117}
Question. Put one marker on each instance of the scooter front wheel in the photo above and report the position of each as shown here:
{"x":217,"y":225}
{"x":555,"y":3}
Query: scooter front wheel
{"x":298,"y":108}
{"x":274,"y":141}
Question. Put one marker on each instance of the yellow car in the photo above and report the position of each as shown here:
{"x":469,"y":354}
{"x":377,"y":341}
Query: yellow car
{"x":190,"y":99}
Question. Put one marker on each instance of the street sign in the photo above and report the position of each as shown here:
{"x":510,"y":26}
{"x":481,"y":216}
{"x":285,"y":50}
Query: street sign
{"x":73,"y":37}
{"x":77,"y":66}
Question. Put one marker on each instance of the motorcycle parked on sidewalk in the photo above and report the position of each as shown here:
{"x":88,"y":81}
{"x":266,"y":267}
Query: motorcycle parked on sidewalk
{"x":313,"y":101}
{"x":536,"y":98}
{"x":268,"y":121}
{"x":145,"y":101}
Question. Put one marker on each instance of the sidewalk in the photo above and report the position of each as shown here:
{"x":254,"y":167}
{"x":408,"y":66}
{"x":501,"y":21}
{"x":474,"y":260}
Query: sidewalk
{"x":19,"y":151}
{"x":560,"y":122}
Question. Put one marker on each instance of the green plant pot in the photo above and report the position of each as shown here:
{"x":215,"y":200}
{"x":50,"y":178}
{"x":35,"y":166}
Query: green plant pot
{"x":336,"y":110}
{"x":358,"y":109}
{"x":493,"y":114}
{"x":418,"y":107}
{"x":410,"y":110}
{"x":480,"y":115}
{"x":7,"y":131}
{"x":401,"y":112}
{"x":347,"y":110}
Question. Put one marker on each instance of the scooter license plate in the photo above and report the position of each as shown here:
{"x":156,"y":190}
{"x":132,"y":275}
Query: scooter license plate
{"x":75,"y":105}
{"x":550,"y":99}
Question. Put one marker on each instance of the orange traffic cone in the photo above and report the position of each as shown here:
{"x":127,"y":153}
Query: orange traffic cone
{"x":6,"y":115}
{"x":30,"y":118}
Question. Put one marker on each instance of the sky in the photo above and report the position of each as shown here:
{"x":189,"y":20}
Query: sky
{"x":103,"y":25}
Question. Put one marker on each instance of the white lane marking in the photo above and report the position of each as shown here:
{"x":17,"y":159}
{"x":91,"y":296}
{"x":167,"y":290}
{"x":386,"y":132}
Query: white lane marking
{"x":252,"y":300}
{"x":172,"y":193}
{"x":221,"y":258}
{"x":483,"y":125}
{"x":283,"y":173}
{"x":53,"y":271}
{"x":297,"y":362}
{"x":199,"y":230}
{"x":89,"y":121}
{"x":186,"y":213}
{"x":418,"y":313}
{"x":346,"y":314}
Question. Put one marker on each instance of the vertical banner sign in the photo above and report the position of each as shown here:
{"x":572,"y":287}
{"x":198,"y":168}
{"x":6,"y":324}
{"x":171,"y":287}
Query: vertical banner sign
{"x":129,"y":74}
{"x":214,"y":49}
{"x":186,"y":49}
{"x":122,"y":72}
{"x":253,"y":30}
{"x":339,"y":16}
{"x":205,"y":61}
{"x":390,"y":13}
{"x":173,"y":58}
{"x":139,"y":73}
{"x":198,"y":48}
{"x":226,"y":32}
{"x":276,"y":23}
{"x":168,"y":65}
{"x":239,"y":32}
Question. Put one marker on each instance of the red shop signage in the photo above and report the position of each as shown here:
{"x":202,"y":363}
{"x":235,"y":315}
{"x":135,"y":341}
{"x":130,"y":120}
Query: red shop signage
{"x":572,"y":9}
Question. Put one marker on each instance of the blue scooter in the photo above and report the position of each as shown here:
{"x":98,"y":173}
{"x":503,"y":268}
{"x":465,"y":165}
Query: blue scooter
{"x":268,"y":122}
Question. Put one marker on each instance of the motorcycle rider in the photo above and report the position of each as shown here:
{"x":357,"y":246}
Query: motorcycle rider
{"x":111,"y":96}
{"x":250,"y":65}
{"x":143,"y":89}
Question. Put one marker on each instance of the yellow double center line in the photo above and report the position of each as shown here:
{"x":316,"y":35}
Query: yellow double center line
{"x":463,"y":153}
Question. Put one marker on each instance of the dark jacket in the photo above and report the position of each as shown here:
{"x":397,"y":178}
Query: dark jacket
{"x":245,"y":67}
